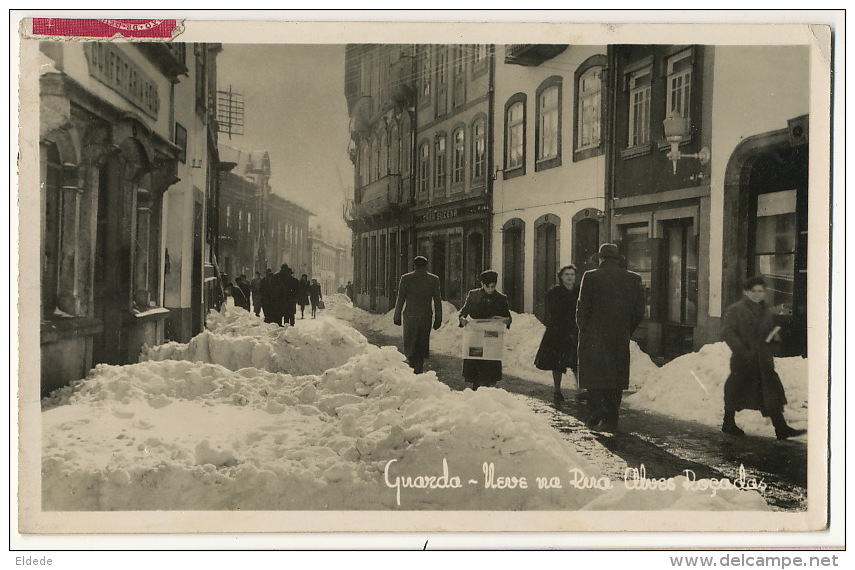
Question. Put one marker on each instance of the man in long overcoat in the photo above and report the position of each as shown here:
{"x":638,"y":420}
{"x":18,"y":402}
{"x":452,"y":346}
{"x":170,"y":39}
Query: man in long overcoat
{"x":753,"y":384}
{"x":418,"y":290}
{"x":281,"y":294}
{"x":610,"y":307}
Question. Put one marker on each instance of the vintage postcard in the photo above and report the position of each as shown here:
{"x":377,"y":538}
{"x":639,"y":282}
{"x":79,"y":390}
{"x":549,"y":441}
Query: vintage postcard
{"x":260,"y":246}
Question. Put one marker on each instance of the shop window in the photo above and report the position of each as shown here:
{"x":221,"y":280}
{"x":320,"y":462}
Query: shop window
{"x":775,"y":239}
{"x":638,"y":258}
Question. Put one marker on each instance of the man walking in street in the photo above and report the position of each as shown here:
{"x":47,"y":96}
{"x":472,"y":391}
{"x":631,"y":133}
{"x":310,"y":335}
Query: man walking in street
{"x":610,"y":307}
{"x":418,"y":290}
{"x":255,"y":287}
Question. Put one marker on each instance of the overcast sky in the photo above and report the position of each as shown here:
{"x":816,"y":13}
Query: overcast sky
{"x":295,"y":110}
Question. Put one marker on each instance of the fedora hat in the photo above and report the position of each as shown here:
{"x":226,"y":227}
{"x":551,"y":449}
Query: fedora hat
{"x":609,"y":250}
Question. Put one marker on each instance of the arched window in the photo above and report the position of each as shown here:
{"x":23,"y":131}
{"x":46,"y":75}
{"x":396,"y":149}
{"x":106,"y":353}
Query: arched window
{"x":424,"y":168}
{"x":548,"y":124}
{"x":382,"y":155}
{"x":515,"y":136}
{"x":588,"y":106}
{"x":395,"y":150}
{"x":479,"y":149}
{"x":458,"y":162}
{"x":440,"y":162}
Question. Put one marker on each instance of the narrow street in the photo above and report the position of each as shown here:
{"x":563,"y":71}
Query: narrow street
{"x":665,"y":446}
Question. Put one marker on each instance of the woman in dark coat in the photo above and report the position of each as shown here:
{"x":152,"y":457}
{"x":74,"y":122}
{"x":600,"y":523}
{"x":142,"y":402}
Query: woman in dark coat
{"x":753,"y":384}
{"x":315,"y":296}
{"x":303,"y":294}
{"x":484,"y":303}
{"x":557,"y":350}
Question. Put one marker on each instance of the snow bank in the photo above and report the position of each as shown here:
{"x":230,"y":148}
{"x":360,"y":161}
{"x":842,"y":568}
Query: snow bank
{"x":183,"y":433}
{"x":692,"y":387}
{"x":238,"y":339}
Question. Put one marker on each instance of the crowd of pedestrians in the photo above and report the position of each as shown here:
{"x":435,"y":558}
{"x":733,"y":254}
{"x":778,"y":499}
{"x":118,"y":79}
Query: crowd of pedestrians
{"x":277,"y":295}
{"x":589,"y":322}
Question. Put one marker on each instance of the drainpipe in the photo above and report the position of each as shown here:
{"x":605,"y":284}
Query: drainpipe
{"x":491,"y":104}
{"x":611,"y":129}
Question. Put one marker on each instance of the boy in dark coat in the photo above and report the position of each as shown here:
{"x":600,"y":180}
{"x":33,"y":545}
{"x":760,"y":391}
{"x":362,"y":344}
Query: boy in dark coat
{"x":484,"y":303}
{"x":753,"y":384}
{"x":417,"y":289}
{"x":610,"y":307}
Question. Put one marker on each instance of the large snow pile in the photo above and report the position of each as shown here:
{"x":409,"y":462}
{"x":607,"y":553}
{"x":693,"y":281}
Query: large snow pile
{"x":238,"y":339}
{"x":692,"y":387}
{"x":367,"y":434}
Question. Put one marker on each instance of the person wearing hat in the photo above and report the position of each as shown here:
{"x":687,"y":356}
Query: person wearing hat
{"x":484,"y":303}
{"x":610,"y":308}
{"x":418,"y":306}
{"x":748,"y":329}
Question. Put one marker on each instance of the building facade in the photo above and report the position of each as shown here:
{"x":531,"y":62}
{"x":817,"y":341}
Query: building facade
{"x":326,"y":262}
{"x":697,"y":226}
{"x":258,"y":228}
{"x":420,"y":123}
{"x":110,"y":154}
{"x":549,"y":190}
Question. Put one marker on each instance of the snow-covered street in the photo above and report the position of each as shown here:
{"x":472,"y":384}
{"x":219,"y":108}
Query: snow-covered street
{"x":252,"y":416}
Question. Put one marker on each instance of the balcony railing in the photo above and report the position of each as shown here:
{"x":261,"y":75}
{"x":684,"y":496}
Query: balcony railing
{"x":380,"y":196}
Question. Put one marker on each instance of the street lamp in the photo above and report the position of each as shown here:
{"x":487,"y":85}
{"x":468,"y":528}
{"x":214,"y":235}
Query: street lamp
{"x":675,"y":131}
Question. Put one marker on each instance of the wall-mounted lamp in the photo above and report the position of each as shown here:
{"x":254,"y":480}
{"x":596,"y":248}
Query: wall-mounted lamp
{"x":675,"y":130}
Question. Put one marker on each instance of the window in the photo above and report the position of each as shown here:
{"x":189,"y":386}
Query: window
{"x":459,"y":160}
{"x":240,"y":220}
{"x":374,"y":163}
{"x":441,"y":81}
{"x":425,"y":74}
{"x":638,"y":258}
{"x":249,"y":222}
{"x":680,"y":85}
{"x":406,"y":146}
{"x":228,"y":216}
{"x":548,"y":125}
{"x":639,"y":107}
{"x":201,"y":55}
{"x":424,"y":167}
{"x":364,"y":163}
{"x":775,"y":239}
{"x":395,"y":150}
{"x":382,"y":156}
{"x":479,"y":149}
{"x":515,"y":136}
{"x":440,"y":169}
{"x":479,"y":59}
{"x":589,"y":89}
{"x":459,"y":66}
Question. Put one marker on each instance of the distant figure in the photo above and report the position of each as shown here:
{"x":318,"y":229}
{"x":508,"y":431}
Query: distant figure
{"x":417,"y":289}
{"x":484,"y":303}
{"x":255,"y":288}
{"x":292,"y":288}
{"x":267,"y":301}
{"x":315,"y":296}
{"x":557,"y":350}
{"x":303,"y":294}
{"x":341,"y":289}
{"x":753,"y":384}
{"x":610,"y":307}
{"x":241,"y":292}
{"x":348,"y":289}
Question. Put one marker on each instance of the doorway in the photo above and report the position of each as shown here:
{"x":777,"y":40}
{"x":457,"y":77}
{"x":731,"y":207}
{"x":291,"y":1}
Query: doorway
{"x":513,"y":256}
{"x":545,"y":261}
{"x":680,"y":286}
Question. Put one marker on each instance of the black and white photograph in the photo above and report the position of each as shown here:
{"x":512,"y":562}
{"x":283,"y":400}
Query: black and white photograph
{"x":311,"y":277}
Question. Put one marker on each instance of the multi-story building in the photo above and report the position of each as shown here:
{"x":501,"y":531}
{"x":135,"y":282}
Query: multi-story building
{"x":452,"y":163}
{"x":190,"y":205}
{"x":110,"y":154}
{"x":549,"y":189}
{"x":258,"y":228}
{"x":420,"y":121}
{"x":326,"y":262}
{"x":380,"y":92}
{"x":694,"y":227}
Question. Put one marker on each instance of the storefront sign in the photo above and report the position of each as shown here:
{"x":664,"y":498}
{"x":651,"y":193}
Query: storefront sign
{"x":111,"y":67}
{"x":440,"y":215}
